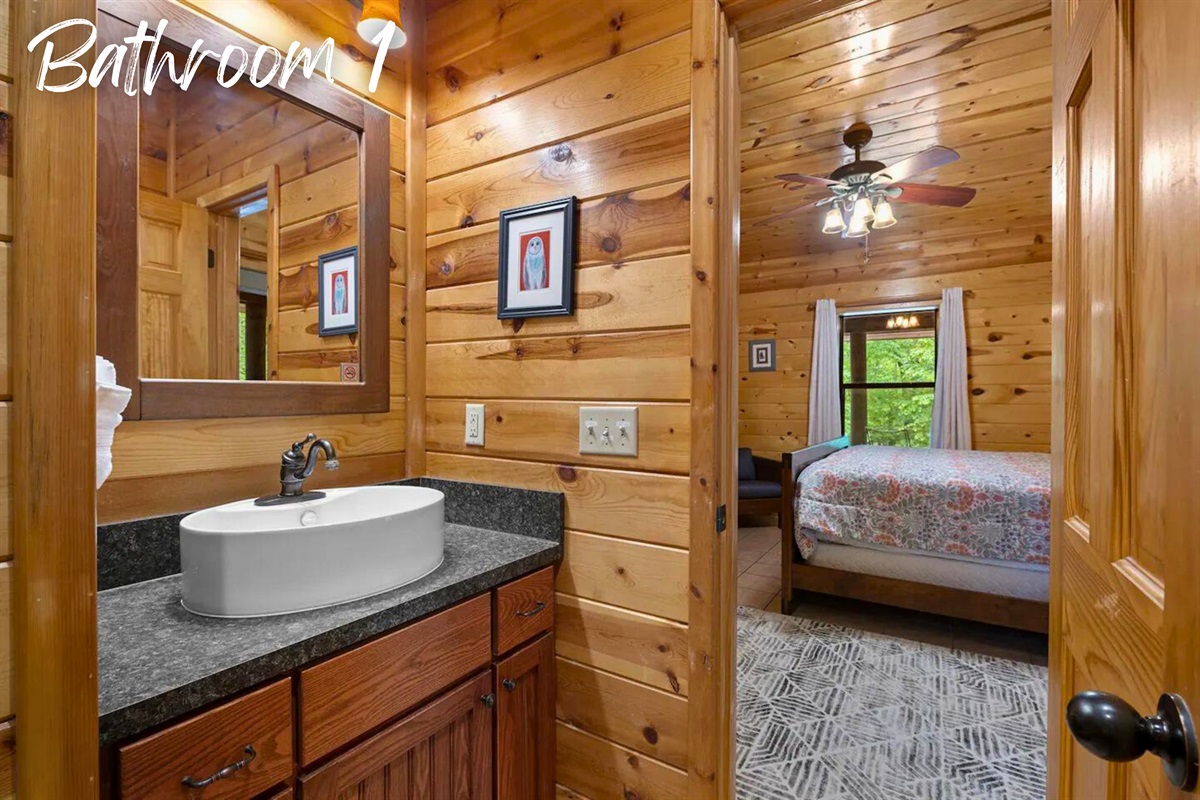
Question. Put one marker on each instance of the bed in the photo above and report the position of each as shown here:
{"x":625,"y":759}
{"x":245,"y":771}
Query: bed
{"x":952,"y":532}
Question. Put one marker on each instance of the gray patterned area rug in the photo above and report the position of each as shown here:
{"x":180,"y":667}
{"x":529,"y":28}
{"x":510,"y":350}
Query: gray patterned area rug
{"x":830,"y":713}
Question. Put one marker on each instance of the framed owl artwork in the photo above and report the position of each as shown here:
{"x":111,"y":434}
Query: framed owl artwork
{"x":337,"y":292}
{"x":537,"y":260}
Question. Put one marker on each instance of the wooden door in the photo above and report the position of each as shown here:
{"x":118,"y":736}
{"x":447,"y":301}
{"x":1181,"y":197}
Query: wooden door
{"x":173,"y":286}
{"x":442,"y":750}
{"x":1125,"y":575}
{"x":525,"y":723}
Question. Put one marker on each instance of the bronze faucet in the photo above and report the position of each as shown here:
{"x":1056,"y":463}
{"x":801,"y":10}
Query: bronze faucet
{"x":295,"y":467}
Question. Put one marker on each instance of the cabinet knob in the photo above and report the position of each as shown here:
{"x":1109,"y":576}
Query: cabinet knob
{"x":489,"y":700}
{"x":1112,"y":729}
{"x":509,"y":684}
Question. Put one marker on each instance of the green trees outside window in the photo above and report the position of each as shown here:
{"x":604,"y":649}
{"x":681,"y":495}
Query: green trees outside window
{"x":887,"y":380}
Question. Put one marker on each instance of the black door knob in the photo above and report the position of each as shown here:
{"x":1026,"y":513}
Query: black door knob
{"x":1112,"y":729}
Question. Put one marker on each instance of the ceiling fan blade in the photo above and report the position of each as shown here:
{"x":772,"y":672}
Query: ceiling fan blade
{"x":932,"y":195}
{"x":811,"y":180}
{"x":923,"y":161}
{"x":794,"y":211}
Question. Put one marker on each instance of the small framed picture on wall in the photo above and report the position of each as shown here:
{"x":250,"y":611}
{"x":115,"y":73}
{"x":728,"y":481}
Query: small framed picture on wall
{"x":537,"y":260}
{"x":762,"y":355}
{"x":337,"y":292}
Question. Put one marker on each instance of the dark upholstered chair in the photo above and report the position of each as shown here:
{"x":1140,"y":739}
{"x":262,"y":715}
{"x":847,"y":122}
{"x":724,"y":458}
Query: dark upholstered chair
{"x":759,"y":489}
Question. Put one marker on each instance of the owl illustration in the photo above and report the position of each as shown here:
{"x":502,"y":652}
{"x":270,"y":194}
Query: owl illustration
{"x":339,"y":294}
{"x":533,"y":265}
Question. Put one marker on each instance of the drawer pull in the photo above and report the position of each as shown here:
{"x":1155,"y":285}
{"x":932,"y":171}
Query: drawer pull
{"x":509,"y":684}
{"x":223,"y":772}
{"x":538,"y":607}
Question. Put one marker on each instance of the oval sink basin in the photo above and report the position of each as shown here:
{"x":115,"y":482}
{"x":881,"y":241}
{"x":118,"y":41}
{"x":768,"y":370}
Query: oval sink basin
{"x":243,"y":560}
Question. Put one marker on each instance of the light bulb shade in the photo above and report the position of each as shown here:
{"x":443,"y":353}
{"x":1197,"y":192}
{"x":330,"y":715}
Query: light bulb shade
{"x":833,"y":222}
{"x":857,"y":227}
{"x":376,"y":14}
{"x":862,"y":208}
{"x":884,"y":218}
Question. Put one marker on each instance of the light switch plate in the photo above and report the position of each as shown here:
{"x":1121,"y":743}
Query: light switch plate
{"x":608,"y":430}
{"x":473,"y":429}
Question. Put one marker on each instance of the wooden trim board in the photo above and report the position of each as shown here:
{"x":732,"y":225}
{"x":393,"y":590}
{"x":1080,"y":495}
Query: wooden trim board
{"x":711,"y":611}
{"x":54,"y":431}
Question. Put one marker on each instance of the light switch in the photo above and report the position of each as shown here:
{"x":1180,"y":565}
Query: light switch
{"x":608,"y":430}
{"x":474,"y":424}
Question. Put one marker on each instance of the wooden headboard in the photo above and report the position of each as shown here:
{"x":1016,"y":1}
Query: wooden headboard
{"x":797,"y":460}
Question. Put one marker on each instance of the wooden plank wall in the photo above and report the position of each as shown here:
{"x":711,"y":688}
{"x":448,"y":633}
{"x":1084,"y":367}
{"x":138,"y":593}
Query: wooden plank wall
{"x":531,"y":104}
{"x":236,"y":458}
{"x":973,"y":75}
{"x":7,"y":739}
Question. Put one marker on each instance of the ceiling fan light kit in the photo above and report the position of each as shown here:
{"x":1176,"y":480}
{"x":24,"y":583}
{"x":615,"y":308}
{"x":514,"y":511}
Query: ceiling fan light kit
{"x":833,"y":222}
{"x":884,"y":218}
{"x":856,"y":228}
{"x":861,"y":191}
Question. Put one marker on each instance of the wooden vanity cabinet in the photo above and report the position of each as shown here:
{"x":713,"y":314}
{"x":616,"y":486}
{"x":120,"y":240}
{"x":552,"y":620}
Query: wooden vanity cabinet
{"x":459,"y":704}
{"x":525,"y":722}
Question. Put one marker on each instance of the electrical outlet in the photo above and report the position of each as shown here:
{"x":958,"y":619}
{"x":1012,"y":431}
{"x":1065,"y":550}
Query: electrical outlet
{"x":608,"y":430}
{"x":474,"y":424}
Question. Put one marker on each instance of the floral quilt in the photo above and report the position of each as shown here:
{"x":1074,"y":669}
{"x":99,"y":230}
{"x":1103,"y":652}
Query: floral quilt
{"x":944,"y":502}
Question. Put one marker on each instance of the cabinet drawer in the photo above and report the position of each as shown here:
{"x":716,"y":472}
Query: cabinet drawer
{"x":353,"y":693}
{"x":524,"y":608}
{"x":255,"y":729}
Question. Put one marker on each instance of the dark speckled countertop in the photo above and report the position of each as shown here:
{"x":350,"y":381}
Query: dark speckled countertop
{"x":158,"y":661}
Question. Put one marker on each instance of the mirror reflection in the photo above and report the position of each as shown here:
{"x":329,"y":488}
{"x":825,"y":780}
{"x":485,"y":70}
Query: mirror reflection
{"x":248,"y":206}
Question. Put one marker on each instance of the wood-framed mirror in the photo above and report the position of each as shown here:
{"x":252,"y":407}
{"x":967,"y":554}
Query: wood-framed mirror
{"x":222,"y":213}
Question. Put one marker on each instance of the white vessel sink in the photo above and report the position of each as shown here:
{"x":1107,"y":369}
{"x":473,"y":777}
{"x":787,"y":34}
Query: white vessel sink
{"x":243,"y":560}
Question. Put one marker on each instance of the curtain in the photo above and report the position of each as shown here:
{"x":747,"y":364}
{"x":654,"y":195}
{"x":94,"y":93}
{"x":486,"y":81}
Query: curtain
{"x":951,"y":428}
{"x":825,"y":377}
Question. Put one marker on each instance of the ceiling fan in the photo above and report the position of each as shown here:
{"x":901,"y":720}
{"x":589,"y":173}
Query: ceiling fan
{"x":861,"y":191}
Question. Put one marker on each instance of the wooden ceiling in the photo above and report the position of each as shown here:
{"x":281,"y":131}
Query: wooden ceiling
{"x":973,"y":75}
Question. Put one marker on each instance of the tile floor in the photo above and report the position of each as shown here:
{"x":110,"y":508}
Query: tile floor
{"x":759,"y":556}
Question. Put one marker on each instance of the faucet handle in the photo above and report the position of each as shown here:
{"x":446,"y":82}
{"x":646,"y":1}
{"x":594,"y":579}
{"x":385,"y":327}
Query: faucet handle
{"x":299,"y":446}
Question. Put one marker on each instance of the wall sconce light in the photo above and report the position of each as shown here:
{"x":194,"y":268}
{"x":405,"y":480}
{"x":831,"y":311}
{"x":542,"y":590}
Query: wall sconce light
{"x":376,"y":14}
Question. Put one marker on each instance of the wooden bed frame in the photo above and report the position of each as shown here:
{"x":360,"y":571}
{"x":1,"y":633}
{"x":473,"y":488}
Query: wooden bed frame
{"x":1011,"y":612}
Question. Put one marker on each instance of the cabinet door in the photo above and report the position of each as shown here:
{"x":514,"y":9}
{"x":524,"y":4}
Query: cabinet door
{"x":525,"y":723}
{"x":442,"y":750}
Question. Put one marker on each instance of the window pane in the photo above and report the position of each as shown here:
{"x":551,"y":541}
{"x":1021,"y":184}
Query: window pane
{"x":846,"y":358}
{"x":900,"y":358}
{"x":899,"y":417}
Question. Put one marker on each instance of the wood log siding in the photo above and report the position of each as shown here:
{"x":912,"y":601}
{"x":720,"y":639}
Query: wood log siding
{"x":371,"y":446}
{"x":600,"y":110}
{"x":968,"y":74}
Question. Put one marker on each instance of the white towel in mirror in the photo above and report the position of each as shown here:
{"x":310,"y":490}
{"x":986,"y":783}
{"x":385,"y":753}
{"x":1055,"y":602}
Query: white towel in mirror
{"x":111,"y":400}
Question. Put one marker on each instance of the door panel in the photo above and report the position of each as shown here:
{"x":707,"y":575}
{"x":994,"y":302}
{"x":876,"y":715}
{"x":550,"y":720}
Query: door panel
{"x":443,"y":750}
{"x":1125,"y":393}
{"x":525,"y":726}
{"x":173,"y":283}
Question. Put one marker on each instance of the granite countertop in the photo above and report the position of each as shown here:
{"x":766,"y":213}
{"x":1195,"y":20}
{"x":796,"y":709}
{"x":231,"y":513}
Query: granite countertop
{"x":158,"y":661}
